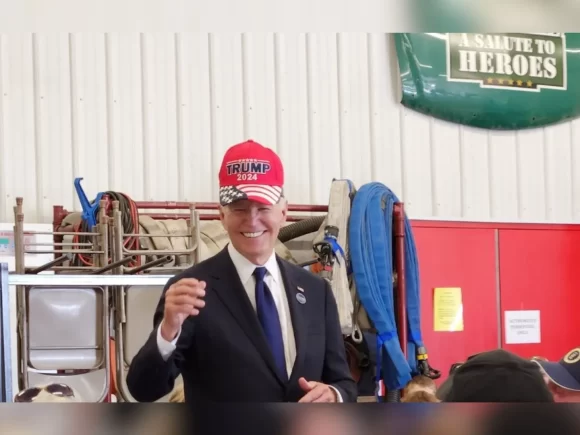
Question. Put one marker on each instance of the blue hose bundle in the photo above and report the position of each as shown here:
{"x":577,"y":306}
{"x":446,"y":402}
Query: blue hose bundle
{"x":371,"y":250}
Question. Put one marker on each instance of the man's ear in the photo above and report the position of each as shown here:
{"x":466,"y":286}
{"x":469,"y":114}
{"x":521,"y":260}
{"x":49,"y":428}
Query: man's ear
{"x":222,"y":213}
{"x":284,"y":204}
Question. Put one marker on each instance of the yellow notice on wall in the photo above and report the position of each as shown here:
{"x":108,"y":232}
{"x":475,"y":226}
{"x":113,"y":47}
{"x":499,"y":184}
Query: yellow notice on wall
{"x":448,"y":310}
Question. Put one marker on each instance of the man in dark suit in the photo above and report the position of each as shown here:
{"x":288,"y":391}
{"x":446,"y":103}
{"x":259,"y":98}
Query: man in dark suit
{"x":246,"y":325}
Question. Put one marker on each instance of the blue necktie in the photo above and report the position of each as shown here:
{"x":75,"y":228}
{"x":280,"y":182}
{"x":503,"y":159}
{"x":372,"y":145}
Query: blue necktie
{"x":268,"y":316}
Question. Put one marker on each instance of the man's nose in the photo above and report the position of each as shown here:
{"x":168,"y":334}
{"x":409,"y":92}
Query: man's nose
{"x":252,"y":214}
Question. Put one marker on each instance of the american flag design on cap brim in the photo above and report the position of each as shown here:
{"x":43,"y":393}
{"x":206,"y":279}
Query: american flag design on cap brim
{"x":253,"y":172}
{"x":255,"y":192}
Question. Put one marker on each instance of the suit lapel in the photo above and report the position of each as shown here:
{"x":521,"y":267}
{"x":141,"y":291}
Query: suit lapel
{"x":298,"y":315}
{"x":230,"y":290}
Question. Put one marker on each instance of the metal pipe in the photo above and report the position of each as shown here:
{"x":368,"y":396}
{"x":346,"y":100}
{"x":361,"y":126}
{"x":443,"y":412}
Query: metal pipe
{"x":168,"y":216}
{"x":50,"y":264}
{"x":76,"y":251}
{"x":71,"y":268}
{"x":163,"y":205}
{"x":156,"y":251}
{"x":401,"y":288}
{"x":172,"y":269}
{"x":103,"y":240}
{"x":121,"y":389}
{"x":118,"y":228}
{"x":192,"y":228}
{"x":111,"y":236}
{"x":206,"y":217}
{"x":86,"y":280}
{"x":158,"y":262}
{"x":112,"y":266}
{"x":117,"y":248}
{"x":62,"y":233}
{"x":19,"y":236}
{"x":117,"y":245}
{"x":157,"y":235}
{"x":59,"y":212}
{"x":58,"y":215}
{"x":197,"y":237}
{"x":169,"y":205}
{"x":59,"y":244}
{"x":21,"y":302}
{"x":6,"y":394}
{"x":106,"y":343}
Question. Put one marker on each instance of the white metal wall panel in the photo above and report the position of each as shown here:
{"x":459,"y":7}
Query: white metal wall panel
{"x":151,"y":115}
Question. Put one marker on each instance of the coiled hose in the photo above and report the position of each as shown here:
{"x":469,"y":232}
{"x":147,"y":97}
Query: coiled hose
{"x":393,"y":396}
{"x":300,"y":228}
{"x":130,"y":221}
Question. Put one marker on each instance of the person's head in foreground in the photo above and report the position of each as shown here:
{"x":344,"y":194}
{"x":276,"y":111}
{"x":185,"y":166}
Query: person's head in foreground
{"x":497,"y":376}
{"x":563,"y":377}
{"x":252,"y":204}
{"x":420,"y":389}
{"x":51,"y":393}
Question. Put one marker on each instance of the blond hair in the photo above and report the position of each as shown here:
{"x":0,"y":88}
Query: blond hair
{"x":420,"y":397}
{"x":177,"y":395}
{"x":420,"y":389}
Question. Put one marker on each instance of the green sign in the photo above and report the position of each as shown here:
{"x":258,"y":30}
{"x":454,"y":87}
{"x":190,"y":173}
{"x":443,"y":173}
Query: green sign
{"x":517,"y":61}
{"x":495,"y":81}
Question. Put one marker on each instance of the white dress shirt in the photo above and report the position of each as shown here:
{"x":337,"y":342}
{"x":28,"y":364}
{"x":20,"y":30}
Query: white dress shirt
{"x":273,"y":280}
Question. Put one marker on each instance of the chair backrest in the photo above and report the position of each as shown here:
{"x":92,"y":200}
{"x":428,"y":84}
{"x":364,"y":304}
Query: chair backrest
{"x":65,"y":328}
{"x":140,"y":305}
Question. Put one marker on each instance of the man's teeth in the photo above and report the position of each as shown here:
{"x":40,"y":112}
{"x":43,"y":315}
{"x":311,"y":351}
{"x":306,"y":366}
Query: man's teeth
{"x":252,"y":235}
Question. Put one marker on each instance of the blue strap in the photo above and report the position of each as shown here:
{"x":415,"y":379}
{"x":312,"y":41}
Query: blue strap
{"x":338,"y":252}
{"x":89,"y":211}
{"x":336,"y":248}
{"x":381,"y":340}
{"x":371,"y":249}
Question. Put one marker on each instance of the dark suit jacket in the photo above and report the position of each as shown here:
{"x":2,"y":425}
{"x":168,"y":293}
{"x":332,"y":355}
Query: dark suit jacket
{"x":222,"y":353}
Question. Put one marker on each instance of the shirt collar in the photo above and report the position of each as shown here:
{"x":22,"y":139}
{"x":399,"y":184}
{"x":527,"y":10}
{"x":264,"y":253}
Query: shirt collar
{"x":245,"y":268}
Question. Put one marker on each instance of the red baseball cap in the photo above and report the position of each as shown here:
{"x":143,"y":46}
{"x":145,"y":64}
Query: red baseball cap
{"x":251,"y":171}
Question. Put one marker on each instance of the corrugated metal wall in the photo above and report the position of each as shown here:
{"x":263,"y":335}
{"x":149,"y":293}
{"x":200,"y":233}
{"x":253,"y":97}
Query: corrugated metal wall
{"x":151,"y":115}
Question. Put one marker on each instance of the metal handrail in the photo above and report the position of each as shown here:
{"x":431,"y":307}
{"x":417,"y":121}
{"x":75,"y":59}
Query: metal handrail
{"x":6,"y":393}
{"x":66,"y":280}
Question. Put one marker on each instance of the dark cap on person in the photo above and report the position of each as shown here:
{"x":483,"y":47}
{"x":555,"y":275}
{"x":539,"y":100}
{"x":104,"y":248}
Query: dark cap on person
{"x":566,"y":372}
{"x":445,"y":387}
{"x":498,"y":376}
